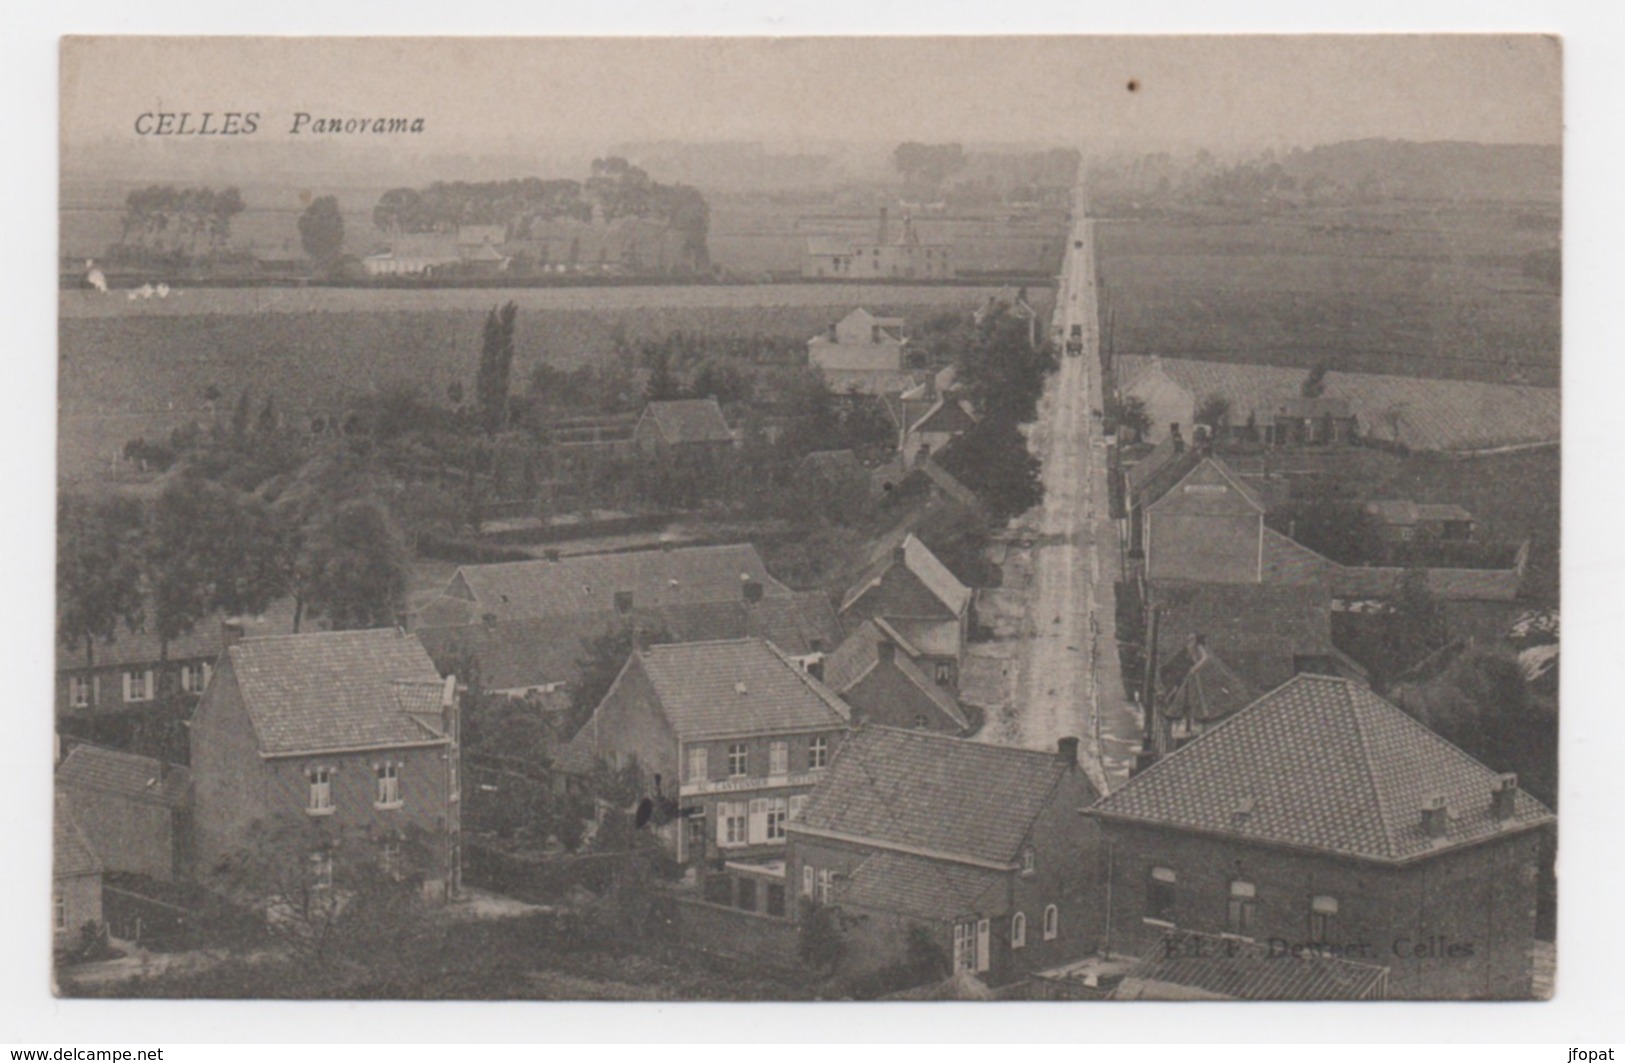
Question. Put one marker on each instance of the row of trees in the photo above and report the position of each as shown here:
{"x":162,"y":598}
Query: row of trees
{"x":184,"y":221}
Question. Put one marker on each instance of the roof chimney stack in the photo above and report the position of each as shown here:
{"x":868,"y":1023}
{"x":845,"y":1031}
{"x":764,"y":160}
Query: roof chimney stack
{"x":886,"y":650}
{"x":1068,"y":749}
{"x":1504,"y":798}
{"x":231,"y":633}
{"x":899,"y":554}
{"x":751,"y":589}
{"x":1179,"y":440}
{"x":1435,"y":816}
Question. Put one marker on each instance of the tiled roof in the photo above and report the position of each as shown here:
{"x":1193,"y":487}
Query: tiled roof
{"x":1191,"y":966}
{"x":857,"y":654}
{"x":922,"y":887}
{"x":737,"y":687}
{"x":203,"y":642}
{"x":71,"y":853}
{"x":932,"y":574}
{"x":655,"y":578}
{"x":516,"y":654}
{"x":139,"y":778}
{"x":1287,"y":561}
{"x":334,"y":689}
{"x":801,"y":624}
{"x":1257,"y":628}
{"x":1200,"y":687}
{"x":689,"y":421}
{"x":944,"y":415}
{"x":1160,"y":455}
{"x":1321,"y":764}
{"x":1436,"y":414}
{"x":1447,"y":584}
{"x":932,"y":792}
{"x":1162,"y":479}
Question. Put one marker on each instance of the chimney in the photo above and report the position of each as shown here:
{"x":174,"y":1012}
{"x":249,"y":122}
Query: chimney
{"x":752,"y":590}
{"x":885,"y":228}
{"x":886,"y":650}
{"x":231,"y":633}
{"x":1435,"y":816}
{"x":1179,"y":440}
{"x":899,"y":554}
{"x":1504,"y":798}
{"x":1067,"y":748}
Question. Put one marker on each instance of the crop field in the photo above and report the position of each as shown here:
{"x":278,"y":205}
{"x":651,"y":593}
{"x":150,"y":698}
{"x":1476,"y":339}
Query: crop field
{"x":1409,"y":290}
{"x":132,"y":367}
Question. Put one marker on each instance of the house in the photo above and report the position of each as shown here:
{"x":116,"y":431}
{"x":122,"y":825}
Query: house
{"x":978,"y":848}
{"x":1195,"y":691}
{"x":908,"y":257}
{"x":1323,"y":819}
{"x":520,"y":657}
{"x":76,"y":879}
{"x":135,"y":810}
{"x":1301,"y":421}
{"x":876,"y":671}
{"x":1207,"y":526}
{"x":1265,"y":633}
{"x":353,"y":732}
{"x":1404,"y":521}
{"x":472,"y":248}
{"x":922,"y":601}
{"x":683,"y":426}
{"x":944,"y":420}
{"x":729,"y":737}
{"x":860,"y":341}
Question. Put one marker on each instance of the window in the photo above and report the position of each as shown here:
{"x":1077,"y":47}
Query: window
{"x":321,"y":791}
{"x":1052,"y":922}
{"x":1242,"y":908}
{"x":818,"y":753}
{"x":733,"y":823}
{"x":1029,"y":860}
{"x":389,"y":785}
{"x":964,"y":946}
{"x":778,"y":810}
{"x":138,"y":686}
{"x":59,"y":911}
{"x":1159,"y":894}
{"x":778,"y":758}
{"x":696,"y":836}
{"x":945,"y":671}
{"x":1322,"y":910}
{"x":389,"y":857}
{"x":826,"y":885}
{"x":698,"y":768}
{"x":321,"y":870}
{"x":79,"y":691}
{"x":1018,"y":930}
{"x":807,"y":880}
{"x":195,"y":677}
{"x":798,"y":803}
{"x":737,"y":760}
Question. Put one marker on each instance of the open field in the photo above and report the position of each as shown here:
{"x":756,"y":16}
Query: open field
{"x":1409,"y":289}
{"x":128,"y":368}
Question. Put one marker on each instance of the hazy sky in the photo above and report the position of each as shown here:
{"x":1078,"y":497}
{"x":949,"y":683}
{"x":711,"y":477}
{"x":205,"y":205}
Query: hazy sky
{"x":477,"y":92}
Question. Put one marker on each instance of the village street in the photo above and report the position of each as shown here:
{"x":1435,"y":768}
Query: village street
{"x":1059,"y":661}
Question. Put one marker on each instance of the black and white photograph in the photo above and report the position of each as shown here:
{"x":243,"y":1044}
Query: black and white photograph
{"x":783,"y":519}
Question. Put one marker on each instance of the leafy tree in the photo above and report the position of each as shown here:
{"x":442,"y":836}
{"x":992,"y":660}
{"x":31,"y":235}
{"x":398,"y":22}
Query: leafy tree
{"x":1214,"y":412}
{"x":352,"y":568}
{"x":662,"y":385}
{"x":926,"y":166}
{"x":496,"y":366}
{"x":321,"y":231}
{"x":992,"y":460}
{"x":1132,"y":415}
{"x":98,"y":572}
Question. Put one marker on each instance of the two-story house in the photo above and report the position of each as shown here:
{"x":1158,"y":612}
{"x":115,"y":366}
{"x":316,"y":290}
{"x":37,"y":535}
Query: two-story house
{"x":878,"y":673}
{"x":915,"y":593}
{"x":733,"y":733}
{"x":980,"y":847}
{"x":1323,"y":819}
{"x":354,"y":732}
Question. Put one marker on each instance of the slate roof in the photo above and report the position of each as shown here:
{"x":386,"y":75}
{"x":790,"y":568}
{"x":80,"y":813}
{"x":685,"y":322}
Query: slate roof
{"x":1192,"y":966}
{"x":918,"y":559}
{"x":935,"y":793}
{"x":921,"y":887}
{"x":656,"y":578}
{"x":1256,"y":628}
{"x":71,"y":851}
{"x":736,"y":687}
{"x":1325,"y":765}
{"x":681,"y":421}
{"x":332,"y":690}
{"x":1162,"y":479}
{"x":128,"y":775}
{"x":1438,"y":414}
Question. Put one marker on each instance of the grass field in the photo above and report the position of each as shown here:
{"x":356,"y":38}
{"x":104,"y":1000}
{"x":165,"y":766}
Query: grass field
{"x":1405,"y":289}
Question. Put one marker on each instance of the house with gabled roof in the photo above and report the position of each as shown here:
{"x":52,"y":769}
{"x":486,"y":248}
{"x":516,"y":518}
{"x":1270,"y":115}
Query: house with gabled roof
{"x":135,"y":810}
{"x":979,"y":848}
{"x":683,"y":426}
{"x":914,"y":592}
{"x":1325,"y":819}
{"x":728,"y":738}
{"x":877,"y":672}
{"x":354,"y":732}
{"x":1195,"y":690}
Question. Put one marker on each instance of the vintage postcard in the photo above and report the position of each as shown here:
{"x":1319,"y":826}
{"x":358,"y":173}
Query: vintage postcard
{"x":846,"y":518}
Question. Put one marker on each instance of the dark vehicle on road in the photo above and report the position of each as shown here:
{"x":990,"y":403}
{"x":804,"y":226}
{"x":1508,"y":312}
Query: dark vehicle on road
{"x":1074,"y":342}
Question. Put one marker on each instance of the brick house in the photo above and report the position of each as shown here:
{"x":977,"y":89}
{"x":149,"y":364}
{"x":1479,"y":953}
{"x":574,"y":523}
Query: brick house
{"x":731,"y":734}
{"x":135,"y":810}
{"x":76,"y":878}
{"x":683,"y":426}
{"x":877,"y":673}
{"x":979,"y":847}
{"x":354,"y":730}
{"x":1324,"y":819}
{"x":1208,"y":526}
{"x":916,"y":594}
{"x":130,"y":672}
